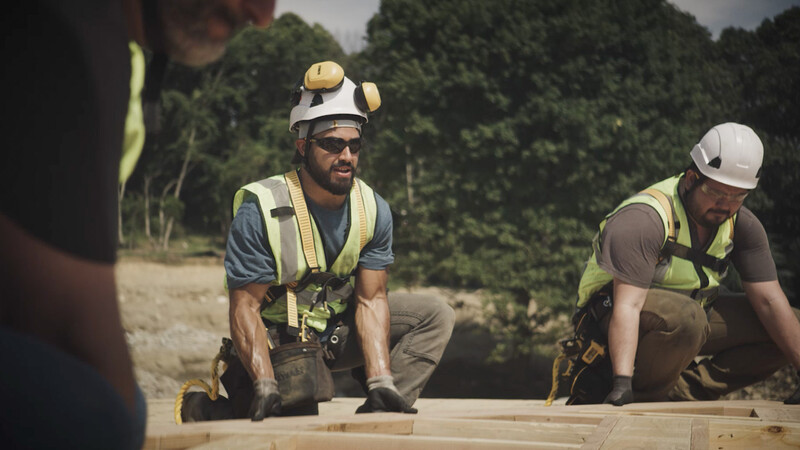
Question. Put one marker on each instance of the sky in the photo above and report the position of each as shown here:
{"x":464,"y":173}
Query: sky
{"x":347,"y":20}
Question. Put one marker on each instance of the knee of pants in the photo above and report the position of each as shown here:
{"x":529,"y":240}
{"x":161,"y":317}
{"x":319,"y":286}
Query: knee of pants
{"x":675,"y":317}
{"x":691,"y":327}
{"x":442,"y":316}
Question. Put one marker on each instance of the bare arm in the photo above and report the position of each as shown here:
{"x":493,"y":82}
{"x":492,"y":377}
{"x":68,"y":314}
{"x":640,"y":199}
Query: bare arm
{"x":372,"y":320}
{"x":248,"y":332}
{"x":68,"y":302}
{"x":623,"y":331}
{"x":773,"y":310}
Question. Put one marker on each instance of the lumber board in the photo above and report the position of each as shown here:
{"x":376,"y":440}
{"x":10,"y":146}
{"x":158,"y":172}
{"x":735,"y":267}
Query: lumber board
{"x":464,"y":424}
{"x":541,"y":414}
{"x":747,"y":436}
{"x":596,"y":439}
{"x":700,"y":434}
{"x":784,"y":414}
{"x":504,"y":430}
{"x":650,"y":433}
{"x":401,"y":426}
{"x":361,"y":441}
{"x":251,"y":442}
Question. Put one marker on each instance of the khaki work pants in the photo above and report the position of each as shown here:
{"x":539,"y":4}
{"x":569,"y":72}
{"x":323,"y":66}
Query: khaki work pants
{"x":686,"y":353}
{"x":420,"y":328}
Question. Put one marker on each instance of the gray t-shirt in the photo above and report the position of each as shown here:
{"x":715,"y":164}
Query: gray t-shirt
{"x":249,"y":259}
{"x":632,"y":239}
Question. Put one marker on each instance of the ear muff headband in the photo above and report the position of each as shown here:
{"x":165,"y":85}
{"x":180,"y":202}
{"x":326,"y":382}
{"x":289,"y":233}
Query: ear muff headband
{"x":367,"y":97}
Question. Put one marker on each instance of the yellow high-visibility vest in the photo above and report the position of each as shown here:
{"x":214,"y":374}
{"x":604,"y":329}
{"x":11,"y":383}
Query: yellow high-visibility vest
{"x":282,"y":215}
{"x":672,"y":272}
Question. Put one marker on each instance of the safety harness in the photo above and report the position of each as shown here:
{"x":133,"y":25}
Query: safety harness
{"x":328,"y":281}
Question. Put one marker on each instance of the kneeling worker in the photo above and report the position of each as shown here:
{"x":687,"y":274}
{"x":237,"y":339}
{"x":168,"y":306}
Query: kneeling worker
{"x":652,"y":284}
{"x":306,"y":262}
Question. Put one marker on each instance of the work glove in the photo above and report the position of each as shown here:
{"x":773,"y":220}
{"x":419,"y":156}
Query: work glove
{"x":266,"y":401}
{"x":621,"y":393}
{"x":794,"y":399}
{"x":383,"y":396}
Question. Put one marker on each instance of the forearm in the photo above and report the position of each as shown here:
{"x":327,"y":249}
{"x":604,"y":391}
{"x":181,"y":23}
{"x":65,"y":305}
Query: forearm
{"x":372,"y":322}
{"x":248,"y":332}
{"x":623,"y":330}
{"x":623,"y":339}
{"x":779,"y":320}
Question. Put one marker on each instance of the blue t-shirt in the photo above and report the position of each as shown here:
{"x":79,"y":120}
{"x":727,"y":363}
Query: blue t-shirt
{"x":249,"y":259}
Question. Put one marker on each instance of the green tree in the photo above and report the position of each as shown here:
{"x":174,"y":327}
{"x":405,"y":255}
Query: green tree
{"x":511,"y":127}
{"x":765,"y":94}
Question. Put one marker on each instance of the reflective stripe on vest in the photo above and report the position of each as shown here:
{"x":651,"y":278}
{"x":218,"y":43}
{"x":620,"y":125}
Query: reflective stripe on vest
{"x":285,"y":240}
{"x":672,"y":273}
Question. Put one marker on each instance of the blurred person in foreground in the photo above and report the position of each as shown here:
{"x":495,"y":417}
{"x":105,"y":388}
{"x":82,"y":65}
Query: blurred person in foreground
{"x":73,"y":74}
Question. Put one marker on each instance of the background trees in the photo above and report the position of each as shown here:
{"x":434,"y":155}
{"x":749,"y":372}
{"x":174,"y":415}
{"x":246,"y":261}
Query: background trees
{"x":508,"y":129}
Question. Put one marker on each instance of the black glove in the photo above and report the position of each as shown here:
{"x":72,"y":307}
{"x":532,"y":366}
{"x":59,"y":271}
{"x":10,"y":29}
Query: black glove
{"x":621,"y":393}
{"x":266,"y":401}
{"x":794,"y":399}
{"x":383,"y":396}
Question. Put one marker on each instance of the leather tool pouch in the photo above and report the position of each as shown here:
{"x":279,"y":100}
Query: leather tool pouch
{"x":590,"y":373}
{"x":303,"y":378}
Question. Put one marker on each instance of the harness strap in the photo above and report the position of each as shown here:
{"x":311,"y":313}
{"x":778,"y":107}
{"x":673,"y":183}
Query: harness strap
{"x":362,"y":217}
{"x":695,"y":256}
{"x":303,"y":220}
{"x":291,"y":309}
{"x":669,"y":209}
{"x":307,"y":241}
{"x":671,"y":246}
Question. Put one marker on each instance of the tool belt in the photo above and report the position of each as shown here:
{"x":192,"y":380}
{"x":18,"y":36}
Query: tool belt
{"x":589,"y":374}
{"x":300,"y":369}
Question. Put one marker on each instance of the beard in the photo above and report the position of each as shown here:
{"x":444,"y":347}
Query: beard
{"x":323,"y":177}
{"x":714,"y":218}
{"x":710,"y":218}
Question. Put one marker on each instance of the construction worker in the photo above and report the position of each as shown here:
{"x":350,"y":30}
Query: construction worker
{"x":653,"y":283}
{"x":397,"y":339}
{"x":72,"y":74}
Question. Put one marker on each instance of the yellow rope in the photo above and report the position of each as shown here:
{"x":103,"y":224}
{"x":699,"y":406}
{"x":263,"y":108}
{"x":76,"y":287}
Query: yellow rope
{"x":554,"y":388}
{"x":212,"y":391}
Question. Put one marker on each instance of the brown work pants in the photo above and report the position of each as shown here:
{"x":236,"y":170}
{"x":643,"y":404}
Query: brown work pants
{"x":675,"y":332}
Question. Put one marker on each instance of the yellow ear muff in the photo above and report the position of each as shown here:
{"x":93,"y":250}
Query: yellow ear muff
{"x":323,"y":77}
{"x":367,"y":97}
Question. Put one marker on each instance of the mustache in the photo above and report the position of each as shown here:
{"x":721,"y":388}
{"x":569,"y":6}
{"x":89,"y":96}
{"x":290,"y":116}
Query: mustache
{"x":342,"y":164}
{"x":726,"y":212}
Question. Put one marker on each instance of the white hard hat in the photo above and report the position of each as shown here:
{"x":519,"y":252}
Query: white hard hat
{"x":326,"y":92}
{"x":731,"y":154}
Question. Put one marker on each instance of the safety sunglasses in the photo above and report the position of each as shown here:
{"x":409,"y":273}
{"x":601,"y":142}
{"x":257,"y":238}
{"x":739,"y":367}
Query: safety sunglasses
{"x":717,"y":195}
{"x":337,"y":145}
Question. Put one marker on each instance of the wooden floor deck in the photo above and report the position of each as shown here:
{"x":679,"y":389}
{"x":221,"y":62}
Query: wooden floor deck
{"x":495,"y":424}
